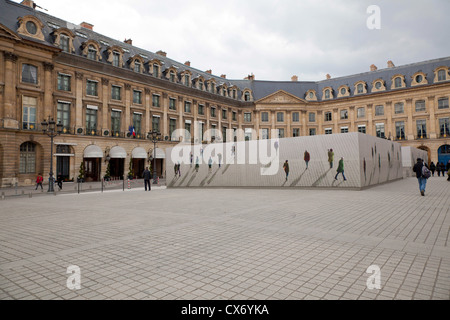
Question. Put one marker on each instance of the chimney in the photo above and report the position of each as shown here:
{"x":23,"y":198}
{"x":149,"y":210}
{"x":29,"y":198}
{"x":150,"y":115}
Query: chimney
{"x":161,"y":53}
{"x":128,"y":41}
{"x":87,"y":25}
{"x":328,"y":76}
{"x":188,"y":63}
{"x":250,"y":77}
{"x":209,"y":71}
{"x":223,"y":76}
{"x":28,"y":3}
{"x":390,"y":64}
{"x":294,"y":78}
{"x":373,"y":67}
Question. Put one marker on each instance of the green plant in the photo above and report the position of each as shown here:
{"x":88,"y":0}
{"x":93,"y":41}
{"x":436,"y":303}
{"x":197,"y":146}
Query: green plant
{"x":130,"y":168}
{"x":108,"y":171}
{"x":82,"y":171}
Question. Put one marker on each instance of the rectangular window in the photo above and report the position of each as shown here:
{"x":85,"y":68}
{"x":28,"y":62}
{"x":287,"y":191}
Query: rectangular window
{"x":115,"y":93}
{"x":264,"y":133}
{"x":137,"y":123}
{"x":63,"y":82}
{"x":362,"y":128}
{"x":92,"y":53}
{"x":91,"y":121}
{"x":115,"y":122}
{"x":421,"y":128}
{"x":264,"y":116}
{"x":280,"y":116}
{"x":224,"y":134}
{"x":27,"y":162}
{"x":91,"y":88}
{"x":400,"y":130}
{"x":29,"y":113}
{"x":247,"y":117}
{"x":281,"y":133}
{"x":328,"y":131}
{"x":379,"y":110}
{"x":379,"y":129}
{"x":137,"y":97}
{"x":187,"y":127}
{"x":155,"y":70}
{"x":172,"y":128}
{"x":213,"y":112}
{"x":234,"y":116}
{"x":186,"y":80}
{"x":361,"y":112}
{"x":224,"y":113}
{"x":328,"y":116}
{"x":155,"y":123}
{"x":444,"y":127}
{"x":398,"y":108}
{"x":344,"y":129}
{"x":312,"y":131}
{"x":187,"y":106}
{"x":155,"y":101}
{"x":344,"y":114}
{"x":443,"y":103}
{"x":172,"y":104}
{"x":137,"y":66}
{"x":63,"y":115}
{"x":295,"y":117}
{"x":420,"y":105}
{"x":201,"y":109}
{"x":29,"y":73}
{"x":296,"y":132}
{"x":312,"y":117}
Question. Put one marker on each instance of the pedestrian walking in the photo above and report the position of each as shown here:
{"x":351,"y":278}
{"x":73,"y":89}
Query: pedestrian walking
{"x":197,"y":164}
{"x":210,"y":161}
{"x":286,"y":169}
{"x":306,"y":157}
{"x":59,"y":182}
{"x":175,"y":168}
{"x":191,"y":158}
{"x":432,"y":168}
{"x":39,"y":180}
{"x":219,"y":156}
{"x":340,"y":169}
{"x":147,"y":176}
{"x":418,"y":169}
{"x":442,"y":169}
{"x":331,"y":157}
{"x":179,"y":169}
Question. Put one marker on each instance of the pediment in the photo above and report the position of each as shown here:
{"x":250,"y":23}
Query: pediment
{"x":281,"y":97}
{"x":7,"y":33}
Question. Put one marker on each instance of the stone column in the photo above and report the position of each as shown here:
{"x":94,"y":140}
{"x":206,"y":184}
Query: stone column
{"x":78,"y":100}
{"x":319,"y":122}
{"x":105,"y":111}
{"x":433,"y":133}
{"x":127,"y":121}
{"x":336,"y":116}
{"x":304,"y":115}
{"x":351,"y":116}
{"x":49,"y":109}
{"x":390,"y":130}
{"x":165,"y":106}
{"x":288,"y":125}
{"x":410,"y":124}
{"x":370,"y":120}
{"x":148,"y":124}
{"x":9,"y":116}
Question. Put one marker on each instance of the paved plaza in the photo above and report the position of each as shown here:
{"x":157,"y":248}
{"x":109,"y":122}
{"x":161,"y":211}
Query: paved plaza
{"x":229,"y":244}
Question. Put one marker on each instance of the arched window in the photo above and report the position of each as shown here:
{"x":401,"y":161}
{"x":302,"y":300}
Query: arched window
{"x":360,"y":88}
{"x":92,"y":52}
{"x":327,"y":94}
{"x":27,"y":158}
{"x":441,"y":75}
{"x":247,"y":96}
{"x":398,"y":82}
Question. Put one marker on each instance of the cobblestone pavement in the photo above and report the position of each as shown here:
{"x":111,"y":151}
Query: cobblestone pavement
{"x":265,"y":244}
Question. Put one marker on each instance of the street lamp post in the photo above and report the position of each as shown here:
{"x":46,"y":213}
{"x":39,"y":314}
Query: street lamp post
{"x":52,"y":131}
{"x":154,"y":136}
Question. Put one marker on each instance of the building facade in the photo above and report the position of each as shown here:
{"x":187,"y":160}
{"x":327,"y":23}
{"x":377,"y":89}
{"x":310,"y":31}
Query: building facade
{"x":109,"y":94}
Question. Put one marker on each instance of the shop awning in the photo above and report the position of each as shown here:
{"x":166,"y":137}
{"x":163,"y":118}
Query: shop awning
{"x":160,"y":154}
{"x":139,"y":153}
{"x":117,"y":152}
{"x":93,"y":151}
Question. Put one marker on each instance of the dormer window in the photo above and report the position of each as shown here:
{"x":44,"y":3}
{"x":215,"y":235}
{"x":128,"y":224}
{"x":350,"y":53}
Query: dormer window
{"x":234,"y":93}
{"x":115,"y":58}
{"x":200,"y":85}
{"x":186,"y":80}
{"x":246,"y":96}
{"x":398,"y":82}
{"x":327,"y":94}
{"x":441,"y":75}
{"x":360,"y":88}
{"x":92,"y":52}
{"x":137,"y":66}
{"x":172,"y":76}
{"x":64,"y":43}
{"x":31,"y":27}
{"x":156,"y":70}
{"x":378,"y":85}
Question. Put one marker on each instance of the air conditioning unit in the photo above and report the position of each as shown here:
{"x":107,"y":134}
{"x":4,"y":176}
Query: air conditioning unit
{"x":106,"y":133}
{"x":79,"y":130}
{"x":166,"y":138}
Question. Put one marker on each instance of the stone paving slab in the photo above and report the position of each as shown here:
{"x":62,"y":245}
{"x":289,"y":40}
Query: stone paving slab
{"x":226,"y":244}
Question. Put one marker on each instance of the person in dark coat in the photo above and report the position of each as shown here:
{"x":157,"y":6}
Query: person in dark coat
{"x":432,"y":168}
{"x":306,"y":157}
{"x":340,"y":169}
{"x":147,"y":176}
{"x":286,"y":169}
{"x":440,"y":168}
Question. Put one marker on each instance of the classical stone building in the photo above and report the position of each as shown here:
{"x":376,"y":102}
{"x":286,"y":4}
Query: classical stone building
{"x":109,"y":94}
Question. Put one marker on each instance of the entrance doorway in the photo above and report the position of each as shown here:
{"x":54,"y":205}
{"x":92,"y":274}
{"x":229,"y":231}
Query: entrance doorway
{"x":138,"y":168}
{"x":444,"y":154}
{"x":117,"y":167}
{"x":92,"y":169}
{"x":428,"y":152}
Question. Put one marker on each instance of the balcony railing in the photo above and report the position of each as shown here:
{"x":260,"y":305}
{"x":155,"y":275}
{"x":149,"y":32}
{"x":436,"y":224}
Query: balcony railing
{"x":422,"y":136}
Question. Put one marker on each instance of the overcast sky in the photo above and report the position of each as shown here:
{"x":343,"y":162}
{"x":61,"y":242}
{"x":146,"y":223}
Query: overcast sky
{"x":273,"y":39}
